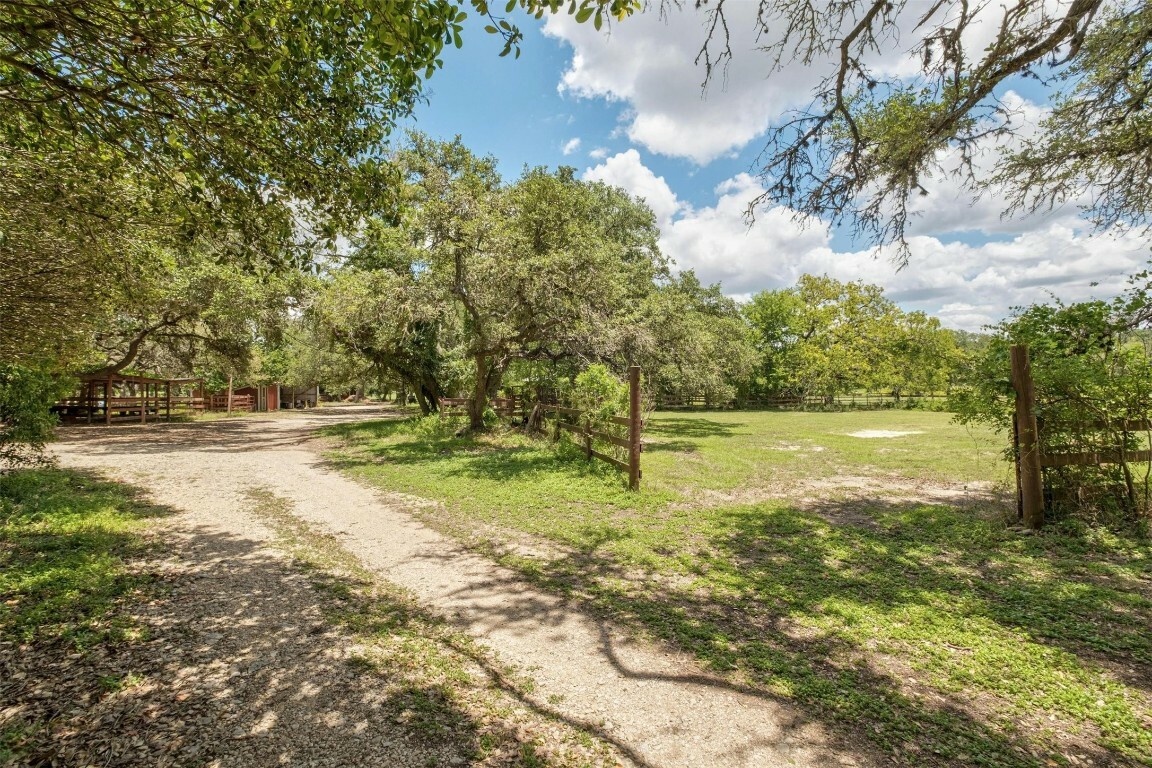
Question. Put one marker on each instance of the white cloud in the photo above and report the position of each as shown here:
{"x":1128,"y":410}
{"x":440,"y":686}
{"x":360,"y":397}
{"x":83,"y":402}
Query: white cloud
{"x":647,"y":65}
{"x":599,"y":153}
{"x":966,"y":285}
{"x":628,"y":171}
{"x":571,"y":146}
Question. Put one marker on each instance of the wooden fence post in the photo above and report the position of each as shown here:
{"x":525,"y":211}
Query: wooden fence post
{"x":1016,"y":464}
{"x":1028,"y":443}
{"x":229,"y":406}
{"x":634,"y":427}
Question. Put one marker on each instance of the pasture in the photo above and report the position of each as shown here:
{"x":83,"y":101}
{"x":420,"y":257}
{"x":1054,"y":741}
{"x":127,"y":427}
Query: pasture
{"x":864,"y":565}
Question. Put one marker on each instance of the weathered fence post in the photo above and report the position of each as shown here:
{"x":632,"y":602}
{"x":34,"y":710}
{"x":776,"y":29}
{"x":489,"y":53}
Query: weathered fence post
{"x":1016,"y":464}
{"x":634,"y":427}
{"x":1027,"y":440}
{"x":229,"y":406}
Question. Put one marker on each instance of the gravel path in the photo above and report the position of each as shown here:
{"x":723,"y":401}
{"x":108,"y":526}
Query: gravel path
{"x":658,"y":707}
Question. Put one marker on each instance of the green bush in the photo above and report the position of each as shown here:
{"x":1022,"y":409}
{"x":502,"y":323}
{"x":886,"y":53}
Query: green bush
{"x":600,"y":396}
{"x":1091,"y":370}
{"x":438,"y":426}
{"x":26,"y":420}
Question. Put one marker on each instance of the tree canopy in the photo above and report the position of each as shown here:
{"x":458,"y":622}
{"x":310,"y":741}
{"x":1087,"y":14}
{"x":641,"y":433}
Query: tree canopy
{"x":861,"y":150}
{"x":261,"y":127}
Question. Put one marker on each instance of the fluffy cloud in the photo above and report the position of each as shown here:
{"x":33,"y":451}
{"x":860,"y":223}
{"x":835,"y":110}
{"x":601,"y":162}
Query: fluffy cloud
{"x":966,"y":285}
{"x":628,"y":171}
{"x":570,"y":146}
{"x":647,"y":64}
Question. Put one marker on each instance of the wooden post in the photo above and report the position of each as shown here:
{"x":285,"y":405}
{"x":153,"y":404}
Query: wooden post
{"x":1028,"y":443}
{"x":91,"y":390}
{"x":143,"y":390}
{"x":1016,"y":462}
{"x":634,"y":425}
{"x":168,"y":400}
{"x":108,"y":402}
{"x":229,"y":394}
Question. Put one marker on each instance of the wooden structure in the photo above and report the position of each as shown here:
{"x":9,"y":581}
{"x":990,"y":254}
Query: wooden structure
{"x":631,"y":443}
{"x":849,"y":401}
{"x":505,"y":407}
{"x":109,"y":398}
{"x":291,"y":397}
{"x":1033,"y":456}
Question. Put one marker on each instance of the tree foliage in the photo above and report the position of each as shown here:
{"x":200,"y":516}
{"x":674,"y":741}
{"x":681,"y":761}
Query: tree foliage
{"x":26,"y":424}
{"x":542,"y":267}
{"x":691,"y":341}
{"x":827,"y":338}
{"x":860,"y":151}
{"x":261,"y":126}
{"x":1092,"y":370}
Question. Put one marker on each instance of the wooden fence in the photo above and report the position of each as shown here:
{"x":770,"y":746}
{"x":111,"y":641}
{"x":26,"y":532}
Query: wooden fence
{"x":505,"y":407}
{"x":1033,"y":456}
{"x":239,"y":402}
{"x":632,"y":443}
{"x":117,"y":398}
{"x":853,"y":400}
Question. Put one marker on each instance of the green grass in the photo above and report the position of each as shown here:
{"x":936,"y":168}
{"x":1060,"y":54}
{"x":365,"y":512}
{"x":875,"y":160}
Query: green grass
{"x":68,"y":542}
{"x":933,"y":630}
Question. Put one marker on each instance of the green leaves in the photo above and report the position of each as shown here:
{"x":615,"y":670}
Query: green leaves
{"x":26,"y":424}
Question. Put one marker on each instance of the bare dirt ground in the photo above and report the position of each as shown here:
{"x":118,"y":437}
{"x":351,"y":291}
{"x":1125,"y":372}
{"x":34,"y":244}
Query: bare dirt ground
{"x":654,"y":706}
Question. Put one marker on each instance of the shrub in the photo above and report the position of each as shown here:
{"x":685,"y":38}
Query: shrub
{"x":26,"y":420}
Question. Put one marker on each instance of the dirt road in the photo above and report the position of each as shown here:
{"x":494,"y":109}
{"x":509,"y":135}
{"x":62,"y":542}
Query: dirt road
{"x":657,"y":706}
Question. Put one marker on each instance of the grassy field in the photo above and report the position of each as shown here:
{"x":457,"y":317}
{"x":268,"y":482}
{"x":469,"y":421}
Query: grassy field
{"x":874,"y":579}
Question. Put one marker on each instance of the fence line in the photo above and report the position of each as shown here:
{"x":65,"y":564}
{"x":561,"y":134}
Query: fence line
{"x":854,"y":400}
{"x":633,"y":421}
{"x":505,"y":407}
{"x":1029,"y":449}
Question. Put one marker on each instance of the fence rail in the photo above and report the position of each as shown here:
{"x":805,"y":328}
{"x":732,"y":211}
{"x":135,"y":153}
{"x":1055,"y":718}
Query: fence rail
{"x":632,"y":443}
{"x":239,"y":402}
{"x":854,"y":400}
{"x":1030,"y":453}
{"x":506,"y":407}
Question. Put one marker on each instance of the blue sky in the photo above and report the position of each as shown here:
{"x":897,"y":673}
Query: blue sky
{"x":626,"y":107}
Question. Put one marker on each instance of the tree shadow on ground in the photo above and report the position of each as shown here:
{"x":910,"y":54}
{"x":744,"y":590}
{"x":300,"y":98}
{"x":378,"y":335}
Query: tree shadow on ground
{"x":230,"y":435}
{"x":675,"y":427}
{"x":233,"y":654}
{"x":841,"y":618}
{"x":469,"y":457}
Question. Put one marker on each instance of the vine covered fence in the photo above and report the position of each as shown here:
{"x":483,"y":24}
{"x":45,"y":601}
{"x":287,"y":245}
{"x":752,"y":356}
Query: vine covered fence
{"x":1040,"y":444}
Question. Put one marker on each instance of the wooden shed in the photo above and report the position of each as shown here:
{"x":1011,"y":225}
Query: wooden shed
{"x":107,"y":398}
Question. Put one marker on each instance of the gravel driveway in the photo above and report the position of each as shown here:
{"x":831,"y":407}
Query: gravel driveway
{"x":656,"y":706}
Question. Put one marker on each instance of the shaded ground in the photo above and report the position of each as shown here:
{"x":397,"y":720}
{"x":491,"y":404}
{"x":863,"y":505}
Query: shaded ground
{"x":885,"y":590}
{"x":206,"y":646}
{"x":653,"y":705}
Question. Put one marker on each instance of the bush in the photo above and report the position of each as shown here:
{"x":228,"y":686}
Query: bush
{"x":1090,"y":371}
{"x":26,"y":419}
{"x":438,"y":426}
{"x":600,"y":396}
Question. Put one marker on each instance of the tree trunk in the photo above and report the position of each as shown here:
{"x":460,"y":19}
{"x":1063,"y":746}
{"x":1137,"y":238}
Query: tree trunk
{"x":229,"y":394}
{"x":479,"y":401}
{"x":432,"y":393}
{"x":422,"y":401}
{"x":489,"y":375}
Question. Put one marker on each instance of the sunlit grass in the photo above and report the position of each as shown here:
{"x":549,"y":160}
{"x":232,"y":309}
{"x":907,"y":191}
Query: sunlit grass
{"x":66,"y":540}
{"x":798,"y":559}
